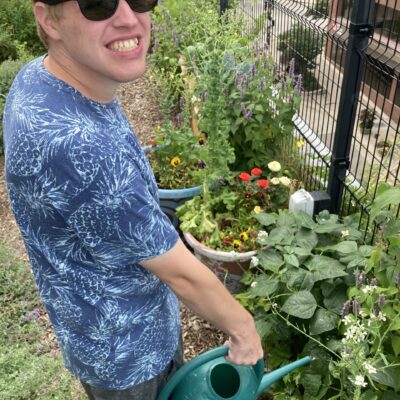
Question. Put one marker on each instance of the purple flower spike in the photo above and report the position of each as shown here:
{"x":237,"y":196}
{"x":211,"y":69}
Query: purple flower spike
{"x":291,"y":68}
{"x":356,"y":307}
{"x":346,"y":308}
{"x":175,"y":37}
{"x":299,"y":84}
{"x":182,"y":102}
{"x":203,"y":95}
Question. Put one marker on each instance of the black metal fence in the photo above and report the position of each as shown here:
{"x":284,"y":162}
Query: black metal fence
{"x":348,"y":53}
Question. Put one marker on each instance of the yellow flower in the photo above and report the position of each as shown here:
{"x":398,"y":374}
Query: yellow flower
{"x":175,"y":161}
{"x":345,"y":233}
{"x":257,"y":209}
{"x":237,"y":244}
{"x":300,"y":143}
{"x":275,"y":181}
{"x":158,"y":128}
{"x":274,"y":166}
{"x":244,"y":236}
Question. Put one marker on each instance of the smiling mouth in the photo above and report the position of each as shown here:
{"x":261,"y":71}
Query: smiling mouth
{"x":124,"y":45}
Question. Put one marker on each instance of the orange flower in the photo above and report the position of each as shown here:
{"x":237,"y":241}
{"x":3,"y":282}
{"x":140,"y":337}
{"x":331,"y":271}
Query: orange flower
{"x":262,"y":183}
{"x":244,"y":176}
{"x":256,"y":171}
{"x":153,"y":143}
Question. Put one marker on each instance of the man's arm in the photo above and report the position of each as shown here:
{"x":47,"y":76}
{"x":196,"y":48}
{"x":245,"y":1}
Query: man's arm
{"x":203,"y":293}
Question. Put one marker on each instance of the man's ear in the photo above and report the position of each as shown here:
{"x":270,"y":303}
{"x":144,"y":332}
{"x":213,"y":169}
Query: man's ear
{"x":47,"y":23}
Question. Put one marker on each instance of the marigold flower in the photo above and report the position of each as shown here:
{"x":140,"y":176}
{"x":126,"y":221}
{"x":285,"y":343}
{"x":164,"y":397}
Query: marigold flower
{"x":148,"y":152}
{"x":244,"y":236}
{"x":285,"y":180}
{"x":300,"y":143}
{"x":257,"y":209}
{"x":175,"y":161}
{"x":237,"y":244}
{"x":153,"y":143}
{"x":275,"y":181}
{"x":256,"y":171}
{"x":274,"y":166}
{"x":262,"y":183}
{"x":244,"y":176}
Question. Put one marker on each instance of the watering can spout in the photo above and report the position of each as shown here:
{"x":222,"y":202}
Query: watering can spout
{"x":273,"y":376}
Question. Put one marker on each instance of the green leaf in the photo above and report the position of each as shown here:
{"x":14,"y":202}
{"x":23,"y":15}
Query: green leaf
{"x":301,"y":305}
{"x":263,"y":328}
{"x":391,"y":196}
{"x":325,"y":268}
{"x":270,"y":260}
{"x":300,"y":280}
{"x":311,"y":383}
{"x":264,"y":285}
{"x":334,"y":302}
{"x":322,"y":321}
{"x":266,"y":219}
{"x":291,"y":259}
{"x":396,"y":344}
{"x":304,"y":220}
{"x":346,"y":247}
{"x":388,"y":376}
{"x":306,"y":239}
{"x":280,"y":235}
{"x":328,"y":227}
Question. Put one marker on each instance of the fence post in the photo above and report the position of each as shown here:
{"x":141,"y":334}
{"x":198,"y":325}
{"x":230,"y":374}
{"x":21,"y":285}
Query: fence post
{"x":223,"y":6}
{"x":360,"y":29}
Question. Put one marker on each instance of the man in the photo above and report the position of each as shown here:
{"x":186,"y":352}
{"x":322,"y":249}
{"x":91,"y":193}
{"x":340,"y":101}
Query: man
{"x":107,"y":261}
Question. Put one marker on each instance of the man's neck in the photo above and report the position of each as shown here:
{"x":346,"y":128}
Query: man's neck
{"x":93,"y":91}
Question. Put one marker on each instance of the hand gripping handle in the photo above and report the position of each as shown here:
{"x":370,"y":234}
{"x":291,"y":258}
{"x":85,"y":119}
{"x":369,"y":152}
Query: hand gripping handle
{"x":197,"y":362}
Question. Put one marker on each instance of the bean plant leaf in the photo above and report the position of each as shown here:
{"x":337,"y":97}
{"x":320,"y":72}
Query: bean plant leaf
{"x":322,"y":321}
{"x":301,"y":305}
{"x":396,"y":345}
{"x":264,"y":285}
{"x":304,"y":220}
{"x":266,"y":219}
{"x":324,"y":267}
{"x":346,"y":247}
{"x":388,"y":376}
{"x":281,"y":235}
{"x":270,"y":260}
{"x":291,"y":259}
{"x":311,"y":383}
{"x":334,"y":302}
{"x":300,"y":279}
{"x":328,"y":227}
{"x":306,"y":239}
{"x":391,"y":196}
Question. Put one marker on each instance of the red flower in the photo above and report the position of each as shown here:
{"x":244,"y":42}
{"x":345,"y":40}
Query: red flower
{"x":153,"y":143}
{"x":247,"y":196}
{"x":256,"y":171}
{"x":148,"y":152}
{"x":263,"y":183}
{"x":244,"y":176}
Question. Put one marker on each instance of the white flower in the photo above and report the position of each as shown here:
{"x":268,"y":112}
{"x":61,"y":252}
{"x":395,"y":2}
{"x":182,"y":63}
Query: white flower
{"x":381,"y":316}
{"x":285,"y":180}
{"x":274,"y":166}
{"x":254,"y":284}
{"x":255,"y":261}
{"x":355,"y":333}
{"x":345,"y":233}
{"x":370,"y":368}
{"x":360,"y":381}
{"x":368,"y":288}
{"x":346,"y":320}
{"x":275,"y":181}
{"x":345,"y":354}
{"x":263,"y":234}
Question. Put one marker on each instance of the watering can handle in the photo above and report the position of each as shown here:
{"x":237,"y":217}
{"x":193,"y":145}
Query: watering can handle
{"x":196,"y":362}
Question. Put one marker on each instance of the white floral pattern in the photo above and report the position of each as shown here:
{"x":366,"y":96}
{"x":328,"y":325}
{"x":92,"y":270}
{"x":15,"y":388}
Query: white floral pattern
{"x":86,"y":202}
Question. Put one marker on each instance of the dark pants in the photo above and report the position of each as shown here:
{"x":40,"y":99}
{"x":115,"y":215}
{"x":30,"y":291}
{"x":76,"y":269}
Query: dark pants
{"x":148,"y":390}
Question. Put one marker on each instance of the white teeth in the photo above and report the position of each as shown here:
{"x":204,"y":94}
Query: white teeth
{"x":124,"y":45}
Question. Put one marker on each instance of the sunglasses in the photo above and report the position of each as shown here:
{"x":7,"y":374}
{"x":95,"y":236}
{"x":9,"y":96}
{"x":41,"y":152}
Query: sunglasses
{"x":99,"y":10}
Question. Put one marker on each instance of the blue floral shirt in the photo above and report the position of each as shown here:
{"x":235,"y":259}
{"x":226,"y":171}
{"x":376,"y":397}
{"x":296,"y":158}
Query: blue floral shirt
{"x":86,"y":202}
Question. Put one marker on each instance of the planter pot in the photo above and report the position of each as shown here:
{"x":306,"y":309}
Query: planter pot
{"x":170,"y":199}
{"x":228,"y":266}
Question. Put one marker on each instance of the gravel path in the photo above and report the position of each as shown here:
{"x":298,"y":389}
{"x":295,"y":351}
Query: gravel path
{"x":140,"y":106}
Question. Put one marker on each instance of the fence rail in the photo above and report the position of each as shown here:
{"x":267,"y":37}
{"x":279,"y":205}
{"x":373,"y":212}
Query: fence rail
{"x":349,"y":116}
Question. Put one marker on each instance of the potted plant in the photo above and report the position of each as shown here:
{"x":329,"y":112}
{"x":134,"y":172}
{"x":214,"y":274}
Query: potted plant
{"x":220,"y":224}
{"x":366,"y":120}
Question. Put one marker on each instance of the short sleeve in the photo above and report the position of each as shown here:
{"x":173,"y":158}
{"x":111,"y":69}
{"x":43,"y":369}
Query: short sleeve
{"x":110,"y":205}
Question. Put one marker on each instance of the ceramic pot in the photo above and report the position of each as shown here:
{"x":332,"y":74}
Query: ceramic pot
{"x":228,"y":266}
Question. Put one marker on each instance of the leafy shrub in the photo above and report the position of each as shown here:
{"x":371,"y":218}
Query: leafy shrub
{"x":8,"y":48}
{"x":18,"y":19}
{"x":302,"y":44}
{"x":8,"y":71}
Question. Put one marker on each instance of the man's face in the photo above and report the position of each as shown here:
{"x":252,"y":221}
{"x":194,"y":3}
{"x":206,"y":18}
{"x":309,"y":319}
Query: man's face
{"x":102,"y":52}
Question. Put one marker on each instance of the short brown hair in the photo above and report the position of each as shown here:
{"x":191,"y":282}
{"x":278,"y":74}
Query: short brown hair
{"x":55,"y":14}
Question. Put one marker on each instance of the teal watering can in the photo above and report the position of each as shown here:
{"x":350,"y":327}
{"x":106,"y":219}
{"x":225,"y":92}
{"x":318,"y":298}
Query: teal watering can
{"x":211,"y":377}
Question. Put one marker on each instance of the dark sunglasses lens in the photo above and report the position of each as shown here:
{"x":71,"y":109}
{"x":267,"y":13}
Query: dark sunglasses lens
{"x":141,"y":6}
{"x":97,"y":10}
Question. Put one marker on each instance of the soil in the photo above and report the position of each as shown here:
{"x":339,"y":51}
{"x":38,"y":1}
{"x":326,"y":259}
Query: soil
{"x":141,"y":108}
